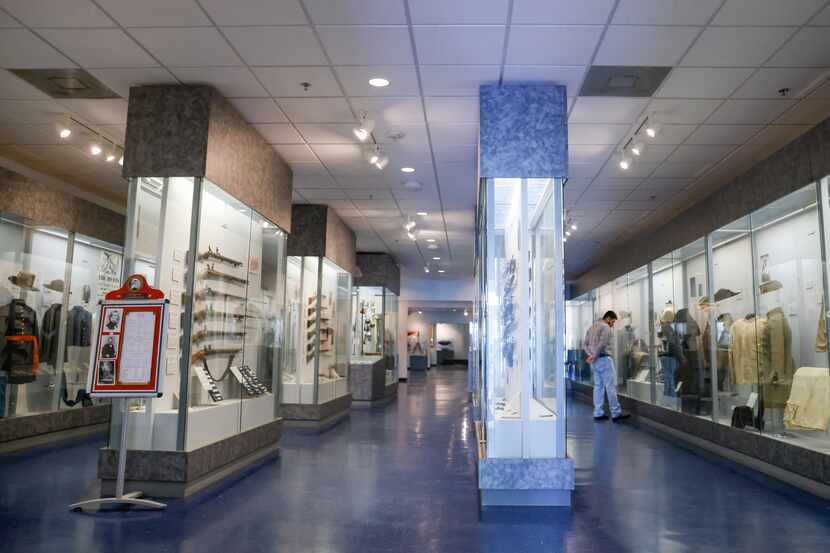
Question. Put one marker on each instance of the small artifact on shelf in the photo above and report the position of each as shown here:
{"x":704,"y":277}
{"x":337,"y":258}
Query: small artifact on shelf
{"x":208,"y":334}
{"x":208,"y":382}
{"x":211,"y":273}
{"x":212,"y":314}
{"x":209,"y":292}
{"x":213,"y":253}
{"x":250,"y":382}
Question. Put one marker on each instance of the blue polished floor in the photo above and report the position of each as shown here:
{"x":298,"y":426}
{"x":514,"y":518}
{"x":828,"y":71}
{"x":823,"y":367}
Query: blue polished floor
{"x":401,"y":478}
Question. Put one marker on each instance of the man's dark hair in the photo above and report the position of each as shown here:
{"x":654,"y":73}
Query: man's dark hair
{"x":609,"y":315}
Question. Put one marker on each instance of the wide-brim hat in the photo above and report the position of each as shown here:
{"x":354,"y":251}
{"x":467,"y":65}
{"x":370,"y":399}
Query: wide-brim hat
{"x":23,"y":279}
{"x":55,"y":285}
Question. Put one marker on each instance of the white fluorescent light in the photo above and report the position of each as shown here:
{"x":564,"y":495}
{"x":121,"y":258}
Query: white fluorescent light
{"x":407,"y":169}
{"x":379,"y":82}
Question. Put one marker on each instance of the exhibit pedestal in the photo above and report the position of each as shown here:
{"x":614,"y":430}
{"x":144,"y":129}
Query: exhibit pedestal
{"x":18,"y":433}
{"x":369,"y":383}
{"x":316,"y":418}
{"x":183,"y":473}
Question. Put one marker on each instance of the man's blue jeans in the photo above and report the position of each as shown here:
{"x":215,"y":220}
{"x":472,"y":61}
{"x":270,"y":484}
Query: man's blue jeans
{"x":605,"y":382}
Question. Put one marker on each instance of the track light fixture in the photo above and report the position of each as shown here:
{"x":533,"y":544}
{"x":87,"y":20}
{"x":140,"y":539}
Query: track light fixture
{"x":411,"y":236}
{"x":652,"y":128}
{"x":426,"y":270}
{"x":111,"y":154}
{"x":95,"y":148}
{"x":364,"y":127}
{"x":637,"y":148}
{"x":409,"y":225}
{"x":65,"y":127}
{"x":624,"y":161}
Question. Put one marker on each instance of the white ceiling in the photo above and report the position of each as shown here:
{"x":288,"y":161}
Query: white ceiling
{"x":720,"y":104}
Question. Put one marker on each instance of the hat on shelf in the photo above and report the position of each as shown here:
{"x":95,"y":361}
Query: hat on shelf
{"x":23,"y":279}
{"x":770,"y":286}
{"x":703,"y":301}
{"x":724,"y":293}
{"x":55,"y":285}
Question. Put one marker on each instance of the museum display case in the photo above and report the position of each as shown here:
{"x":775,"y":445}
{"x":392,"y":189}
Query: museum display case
{"x":523,"y":333}
{"x":223,"y":267}
{"x":52,"y":281}
{"x":318,"y":330}
{"x":739,"y":324}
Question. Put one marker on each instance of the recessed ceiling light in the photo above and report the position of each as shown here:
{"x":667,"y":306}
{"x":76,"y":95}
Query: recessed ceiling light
{"x":432,"y":247}
{"x":422,"y":214}
{"x":65,"y":133}
{"x":412,"y":185}
{"x":407,"y":169}
{"x":431,"y":240}
{"x":95,"y":150}
{"x":436,"y":259}
{"x":379,"y":82}
{"x":440,"y":270}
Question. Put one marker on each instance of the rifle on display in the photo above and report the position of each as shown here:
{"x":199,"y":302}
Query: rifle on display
{"x":208,"y":334}
{"x":211,"y":293}
{"x":210,"y":314}
{"x":212,"y":273}
{"x":213,"y":253}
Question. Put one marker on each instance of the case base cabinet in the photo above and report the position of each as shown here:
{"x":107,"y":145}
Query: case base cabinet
{"x":183,"y":473}
{"x":316,"y":418}
{"x":525,"y":482}
{"x":369,"y":383}
{"x":18,"y":433}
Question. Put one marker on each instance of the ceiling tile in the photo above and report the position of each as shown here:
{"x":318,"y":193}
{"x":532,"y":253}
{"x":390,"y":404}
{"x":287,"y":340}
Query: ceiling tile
{"x":768,"y":82}
{"x":99,"y":47}
{"x":18,"y":112}
{"x":570,"y":77}
{"x":749,"y":112}
{"x":662,"y":12}
{"x":389,"y":134}
{"x":389,"y":206}
{"x":810,"y":48}
{"x":357,"y":12}
{"x":779,"y":134}
{"x":700,"y":153}
{"x":13,"y":87}
{"x":359,"y":45}
{"x":673,"y":134}
{"x":369,"y":194}
{"x":303,"y":180}
{"x":807,"y":112}
{"x":231,"y":82}
{"x":452,"y":110}
{"x":679,"y":170}
{"x":703,"y":82}
{"x":595,"y":194}
{"x":655,"y":153}
{"x":644,"y":194}
{"x":454,"y":134}
{"x":338,"y":154}
{"x":457,"y":80}
{"x":65,"y":13}
{"x":258,"y":110}
{"x":319,"y":133}
{"x":156,"y":13}
{"x":606,"y":110}
{"x":635,"y":45}
{"x":767,"y":12}
{"x":7,"y":22}
{"x":723,"y":134}
{"x":21,"y":49}
{"x":580,"y":133}
{"x":823,"y":18}
{"x":187,"y":47}
{"x":620,"y":184}
{"x":390,"y":112}
{"x":638,"y":205}
{"x":456,"y":154}
{"x":670,"y":184}
{"x":584,"y":170}
{"x":686,"y":112}
{"x":822,"y":91}
{"x":736,"y":46}
{"x":279,"y":133}
{"x":313,"y":194}
{"x":589,"y":153}
{"x":254,"y":12}
{"x":295,"y":153}
{"x":542,"y":45}
{"x":458,"y":12}
{"x":276,"y":45}
{"x":562,"y":12}
{"x":99,"y":112}
{"x":407,"y":153}
{"x":403,"y":81}
{"x":316,"y":110}
{"x":286,"y":81}
{"x":309,"y":169}
{"x":473,"y":45}
{"x":120,"y":80}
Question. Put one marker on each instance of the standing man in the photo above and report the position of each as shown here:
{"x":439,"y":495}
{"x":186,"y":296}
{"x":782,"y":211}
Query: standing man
{"x":598,"y":347}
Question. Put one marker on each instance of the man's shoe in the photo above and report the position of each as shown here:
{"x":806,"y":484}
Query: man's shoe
{"x":601,"y":418}
{"x":621,"y":416}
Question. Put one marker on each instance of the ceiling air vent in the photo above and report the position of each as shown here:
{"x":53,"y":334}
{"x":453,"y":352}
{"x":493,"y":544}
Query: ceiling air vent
{"x":623,"y":81}
{"x":66,"y":83}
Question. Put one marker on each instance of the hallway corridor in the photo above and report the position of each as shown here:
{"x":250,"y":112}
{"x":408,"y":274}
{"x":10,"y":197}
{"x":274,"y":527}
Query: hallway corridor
{"x":401,"y":478}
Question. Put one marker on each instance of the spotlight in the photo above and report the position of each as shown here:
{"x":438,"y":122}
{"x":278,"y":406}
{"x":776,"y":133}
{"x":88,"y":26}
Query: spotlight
{"x":573,"y":226}
{"x":379,"y":82}
{"x":412,"y":185}
{"x":466,"y":314}
{"x":564,"y":238}
{"x":653,"y":129}
{"x":407,"y":169}
{"x":372,"y":155}
{"x":432,"y":247}
{"x":426,"y":270}
{"x":65,"y":133}
{"x":436,"y":259}
{"x":430,"y":240}
{"x":637,"y":148}
{"x":409,"y":225}
{"x":422,"y":214}
{"x":625,"y":162}
{"x":95,"y":149}
{"x":121,"y":160}
{"x":567,"y":233}
{"x":382,"y":163}
{"x":411,"y":236}
{"x":441,"y":270}
{"x":111,"y":154}
{"x":364,"y":127}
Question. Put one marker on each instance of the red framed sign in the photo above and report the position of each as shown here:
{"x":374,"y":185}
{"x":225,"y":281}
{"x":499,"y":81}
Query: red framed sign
{"x":130,"y":341}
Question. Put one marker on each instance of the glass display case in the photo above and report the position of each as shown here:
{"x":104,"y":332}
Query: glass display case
{"x":739,"y":322}
{"x":390,"y":334}
{"x":523,"y":332}
{"x":318,"y":330}
{"x":223,"y":267}
{"x":52,"y":279}
{"x":579,"y":316}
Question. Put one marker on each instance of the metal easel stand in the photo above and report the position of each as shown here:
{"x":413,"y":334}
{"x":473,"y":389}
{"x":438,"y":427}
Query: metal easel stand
{"x":132,"y":499}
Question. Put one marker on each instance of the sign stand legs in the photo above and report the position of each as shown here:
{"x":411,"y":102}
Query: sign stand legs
{"x":129,"y":499}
